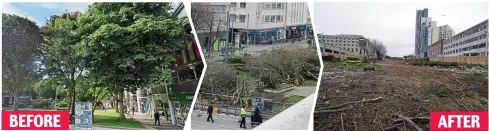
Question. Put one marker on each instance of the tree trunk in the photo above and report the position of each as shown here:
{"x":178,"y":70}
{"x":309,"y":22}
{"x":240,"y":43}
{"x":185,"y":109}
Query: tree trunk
{"x":116,"y":106}
{"x":15,"y":97}
{"x":73,"y":100}
{"x":120,"y":100}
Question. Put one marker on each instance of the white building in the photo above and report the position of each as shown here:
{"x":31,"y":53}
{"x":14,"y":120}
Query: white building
{"x":433,"y":32}
{"x":470,"y":42}
{"x":445,"y":32}
{"x":342,"y":43}
{"x":268,"y":21}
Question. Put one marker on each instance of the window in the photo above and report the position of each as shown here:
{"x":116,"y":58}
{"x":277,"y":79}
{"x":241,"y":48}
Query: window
{"x":233,"y":4}
{"x":272,"y":18}
{"x":279,"y":5}
{"x":268,"y":5}
{"x":274,"y":5}
{"x":267,"y":18}
{"x":232,"y":17}
{"x":279,"y":18}
{"x":242,"y":5}
{"x":242,"y":18}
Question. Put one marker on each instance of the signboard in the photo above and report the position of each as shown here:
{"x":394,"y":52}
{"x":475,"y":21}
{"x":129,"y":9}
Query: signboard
{"x":83,"y":116}
{"x":183,"y":91}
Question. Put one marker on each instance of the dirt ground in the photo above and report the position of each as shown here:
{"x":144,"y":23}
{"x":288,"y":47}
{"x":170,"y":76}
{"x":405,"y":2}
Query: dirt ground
{"x":400,"y":89}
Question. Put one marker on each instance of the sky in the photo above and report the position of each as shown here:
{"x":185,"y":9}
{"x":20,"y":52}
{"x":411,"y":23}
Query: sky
{"x":40,"y":11}
{"x":394,"y":23}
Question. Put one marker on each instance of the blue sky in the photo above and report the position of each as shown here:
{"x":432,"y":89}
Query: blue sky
{"x":39,"y":12}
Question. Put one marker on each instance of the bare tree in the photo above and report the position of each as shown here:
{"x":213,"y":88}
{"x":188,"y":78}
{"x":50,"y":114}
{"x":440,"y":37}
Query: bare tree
{"x":378,"y":48}
{"x":207,"y":22}
{"x":219,"y":79}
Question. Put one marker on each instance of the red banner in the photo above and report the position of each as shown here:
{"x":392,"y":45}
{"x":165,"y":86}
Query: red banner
{"x":35,"y":120}
{"x":458,"y":121}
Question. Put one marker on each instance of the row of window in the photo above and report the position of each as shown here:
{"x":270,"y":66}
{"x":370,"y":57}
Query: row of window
{"x":322,"y":40}
{"x":273,"y":18}
{"x":470,"y":31}
{"x":241,"y":4}
{"x":341,"y":38}
{"x":467,"y":41}
{"x":354,"y":45}
{"x":274,"y":5}
{"x":466,"y":49}
{"x":239,"y":18}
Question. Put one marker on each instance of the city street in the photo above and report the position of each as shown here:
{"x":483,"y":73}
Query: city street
{"x":221,"y":122}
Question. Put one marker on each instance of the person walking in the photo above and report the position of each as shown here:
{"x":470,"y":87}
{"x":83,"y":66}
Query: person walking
{"x":210,"y":110}
{"x":133,"y":110}
{"x":243,"y":116}
{"x":157,"y":117}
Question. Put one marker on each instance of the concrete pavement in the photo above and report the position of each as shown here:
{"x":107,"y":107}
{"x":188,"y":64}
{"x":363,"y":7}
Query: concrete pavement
{"x":301,"y":91}
{"x":295,"y":117}
{"x":221,"y":122}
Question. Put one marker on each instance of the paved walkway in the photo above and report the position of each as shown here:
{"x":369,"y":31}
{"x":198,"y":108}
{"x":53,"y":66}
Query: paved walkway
{"x":221,"y":122}
{"x":149,"y":123}
{"x":301,"y":91}
{"x":294,"y":118}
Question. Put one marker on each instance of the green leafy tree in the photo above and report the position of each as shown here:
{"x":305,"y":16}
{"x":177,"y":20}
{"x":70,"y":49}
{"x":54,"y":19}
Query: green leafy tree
{"x":127,"y":42}
{"x":21,"y":39}
{"x":61,"y":52}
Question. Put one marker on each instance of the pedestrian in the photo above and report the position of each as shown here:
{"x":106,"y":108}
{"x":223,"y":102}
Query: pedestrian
{"x":243,"y":116}
{"x":157,"y":117}
{"x":133,"y":110}
{"x":210,"y":110}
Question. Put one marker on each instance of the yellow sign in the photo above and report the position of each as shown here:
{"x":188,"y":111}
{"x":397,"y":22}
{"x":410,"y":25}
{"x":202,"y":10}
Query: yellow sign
{"x":214,"y":111}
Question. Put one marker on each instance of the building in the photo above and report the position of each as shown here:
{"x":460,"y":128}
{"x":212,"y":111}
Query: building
{"x":445,"y":32}
{"x":433,"y":32}
{"x":470,"y":42}
{"x":343,"y":43}
{"x":260,"y":22}
{"x":421,"y":33}
{"x":436,"y":49}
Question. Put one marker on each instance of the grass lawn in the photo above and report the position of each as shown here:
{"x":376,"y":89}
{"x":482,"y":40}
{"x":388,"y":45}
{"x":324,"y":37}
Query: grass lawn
{"x":111,"y":118}
{"x":294,"y":99}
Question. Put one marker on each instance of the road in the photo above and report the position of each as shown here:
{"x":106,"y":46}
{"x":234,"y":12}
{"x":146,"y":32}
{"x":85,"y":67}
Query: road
{"x":221,"y":122}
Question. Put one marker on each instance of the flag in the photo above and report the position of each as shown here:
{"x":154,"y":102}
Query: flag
{"x":190,"y":51}
{"x":216,"y":44}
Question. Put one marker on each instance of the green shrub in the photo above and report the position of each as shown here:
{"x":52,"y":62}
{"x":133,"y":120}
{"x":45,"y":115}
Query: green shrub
{"x":61,"y":104}
{"x":236,"y":59}
{"x":38,"y":103}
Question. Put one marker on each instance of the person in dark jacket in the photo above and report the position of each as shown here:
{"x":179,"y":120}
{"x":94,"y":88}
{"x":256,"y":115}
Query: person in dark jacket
{"x":210,"y":109}
{"x":157,"y":117}
{"x":133,"y":110}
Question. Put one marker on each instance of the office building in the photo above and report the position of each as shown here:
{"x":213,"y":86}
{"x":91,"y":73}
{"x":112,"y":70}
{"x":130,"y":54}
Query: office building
{"x":343,"y":43}
{"x":470,"y":42}
{"x":421,"y":33}
{"x":445,"y":32}
{"x":433,"y":32}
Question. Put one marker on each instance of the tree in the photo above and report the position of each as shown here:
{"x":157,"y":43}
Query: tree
{"x":208,"y":22}
{"x":127,"y":42}
{"x":21,"y":39}
{"x":219,"y":79}
{"x":285,"y":65}
{"x":94,"y":89}
{"x":61,"y":52}
{"x":378,"y":48}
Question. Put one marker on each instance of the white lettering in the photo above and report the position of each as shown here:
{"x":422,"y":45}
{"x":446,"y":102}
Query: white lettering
{"x":13,"y":121}
{"x":475,"y":121}
{"x":38,"y":121}
{"x":55,"y":121}
{"x":22,"y":121}
{"x":442,"y":122}
{"x":29,"y":120}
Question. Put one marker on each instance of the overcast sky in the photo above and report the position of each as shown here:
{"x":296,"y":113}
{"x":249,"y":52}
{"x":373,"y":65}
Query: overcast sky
{"x":393,"y":23}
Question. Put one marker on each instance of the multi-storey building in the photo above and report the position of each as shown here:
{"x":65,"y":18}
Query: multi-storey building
{"x":445,"y":32}
{"x":433,"y":32}
{"x":421,"y":33}
{"x":343,"y":43}
{"x":470,"y":42}
{"x":436,"y":49}
{"x":264,"y":22}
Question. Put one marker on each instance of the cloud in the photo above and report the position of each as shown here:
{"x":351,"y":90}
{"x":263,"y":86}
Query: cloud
{"x":7,"y":8}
